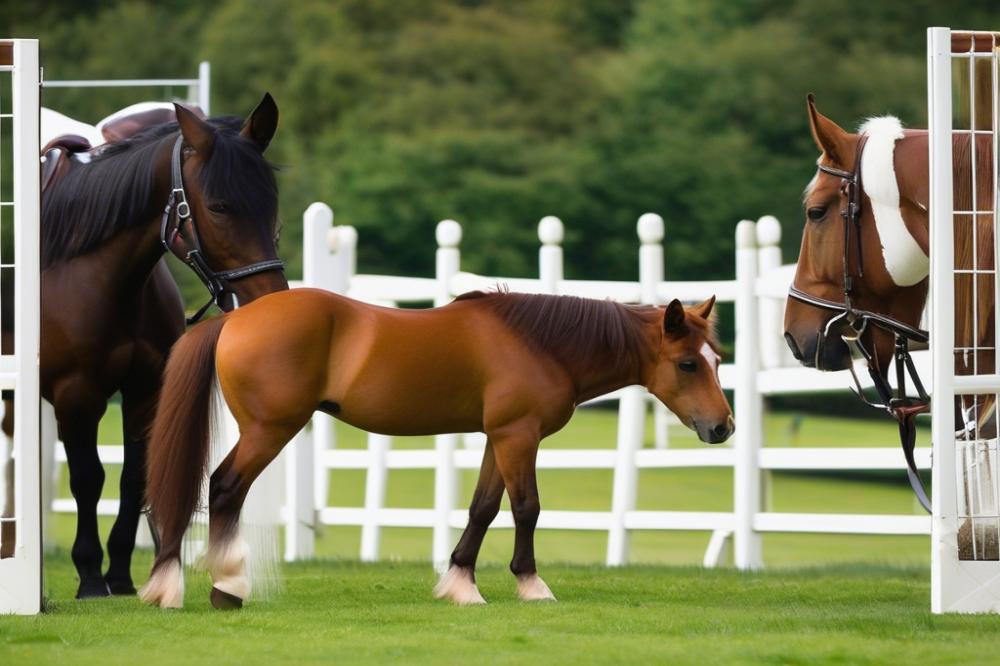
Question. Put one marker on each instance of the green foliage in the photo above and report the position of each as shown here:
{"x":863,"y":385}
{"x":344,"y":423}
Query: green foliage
{"x":399,"y":113}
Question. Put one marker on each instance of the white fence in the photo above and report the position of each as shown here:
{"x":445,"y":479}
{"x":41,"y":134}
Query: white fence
{"x":761,"y":367}
{"x":20,"y":519}
{"x":966,"y":491}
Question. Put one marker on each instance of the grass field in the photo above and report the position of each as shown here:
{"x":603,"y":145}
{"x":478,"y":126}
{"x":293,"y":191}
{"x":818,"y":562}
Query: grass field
{"x":824,"y":599}
{"x":348,"y":613}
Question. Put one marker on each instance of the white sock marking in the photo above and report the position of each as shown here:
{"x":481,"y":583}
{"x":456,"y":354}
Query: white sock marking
{"x":165,"y":587}
{"x":533,"y":588}
{"x":457,"y":585}
{"x":227,"y":562}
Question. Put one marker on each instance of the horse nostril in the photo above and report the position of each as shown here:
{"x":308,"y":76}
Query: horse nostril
{"x":721,"y":430}
{"x":793,"y":346}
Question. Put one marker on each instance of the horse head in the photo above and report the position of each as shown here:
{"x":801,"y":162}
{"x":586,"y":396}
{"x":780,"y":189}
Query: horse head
{"x":686,"y":374}
{"x":869,"y":258}
{"x":224,"y":220}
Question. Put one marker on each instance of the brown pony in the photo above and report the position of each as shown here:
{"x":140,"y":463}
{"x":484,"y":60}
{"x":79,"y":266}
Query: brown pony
{"x":110,"y":309}
{"x":512,"y":365}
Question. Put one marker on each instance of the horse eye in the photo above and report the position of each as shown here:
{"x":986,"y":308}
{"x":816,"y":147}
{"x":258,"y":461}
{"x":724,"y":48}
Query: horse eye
{"x":816,"y":214}
{"x":218,"y":208}
{"x":688,"y":366}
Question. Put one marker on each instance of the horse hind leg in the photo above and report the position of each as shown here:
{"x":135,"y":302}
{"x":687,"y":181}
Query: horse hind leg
{"x":227,"y":554}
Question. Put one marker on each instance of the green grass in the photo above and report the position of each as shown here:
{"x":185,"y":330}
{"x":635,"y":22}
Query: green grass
{"x":349,"y":613}
{"x":863,"y":601}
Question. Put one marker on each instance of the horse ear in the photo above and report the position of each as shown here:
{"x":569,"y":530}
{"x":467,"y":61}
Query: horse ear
{"x":262,"y":122}
{"x":828,"y":135}
{"x":704,"y":310}
{"x":197,"y":133}
{"x":673,"y":318}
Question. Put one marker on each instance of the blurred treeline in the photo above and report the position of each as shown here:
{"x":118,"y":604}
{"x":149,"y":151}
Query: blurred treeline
{"x":399,"y":113}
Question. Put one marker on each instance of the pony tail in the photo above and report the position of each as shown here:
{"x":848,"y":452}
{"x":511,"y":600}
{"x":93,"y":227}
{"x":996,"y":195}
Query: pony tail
{"x":178,"y":453}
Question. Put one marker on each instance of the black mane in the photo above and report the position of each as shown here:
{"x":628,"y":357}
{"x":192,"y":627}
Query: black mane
{"x":113,"y":192}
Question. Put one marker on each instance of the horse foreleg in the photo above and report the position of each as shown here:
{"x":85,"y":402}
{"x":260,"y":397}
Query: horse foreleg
{"x":86,"y":480}
{"x":459,"y":583}
{"x":137,"y":417}
{"x":515,"y":456}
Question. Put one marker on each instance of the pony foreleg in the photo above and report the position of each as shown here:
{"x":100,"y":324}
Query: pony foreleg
{"x":516,"y":460}
{"x":458,"y":584}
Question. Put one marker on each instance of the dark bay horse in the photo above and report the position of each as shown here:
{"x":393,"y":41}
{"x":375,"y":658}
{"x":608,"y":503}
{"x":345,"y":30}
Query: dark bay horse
{"x":511,"y":365}
{"x":863,"y":266}
{"x":111,"y":311}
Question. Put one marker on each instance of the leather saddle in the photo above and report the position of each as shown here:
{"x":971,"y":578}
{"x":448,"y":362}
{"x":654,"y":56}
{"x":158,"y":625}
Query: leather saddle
{"x":62,"y":153}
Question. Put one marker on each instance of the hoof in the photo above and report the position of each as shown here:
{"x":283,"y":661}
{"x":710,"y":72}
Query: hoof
{"x":225,"y":601}
{"x":120,"y":587}
{"x":459,"y":586}
{"x":93,"y":589}
{"x":533,"y":588}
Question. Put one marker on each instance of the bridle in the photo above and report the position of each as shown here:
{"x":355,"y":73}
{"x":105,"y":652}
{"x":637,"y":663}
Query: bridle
{"x":182,"y":240}
{"x":903,"y":408}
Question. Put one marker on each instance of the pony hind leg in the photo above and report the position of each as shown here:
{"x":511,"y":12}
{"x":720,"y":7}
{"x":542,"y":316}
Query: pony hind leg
{"x":515,"y":456}
{"x":226,"y":557}
{"x":458,"y":584}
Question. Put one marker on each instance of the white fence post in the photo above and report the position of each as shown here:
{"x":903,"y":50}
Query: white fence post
{"x":631,"y":417}
{"x":772,"y":343}
{"x":749,"y":405}
{"x":204,"y":87}
{"x":550,"y":255}
{"x":300,"y":526}
{"x":449,"y":235}
{"x":317,"y":263}
{"x":378,"y":447}
{"x":650,"y":230}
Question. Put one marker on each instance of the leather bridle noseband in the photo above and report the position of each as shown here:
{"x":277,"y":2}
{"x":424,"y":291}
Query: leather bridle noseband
{"x":903,"y":408}
{"x":181,"y":239}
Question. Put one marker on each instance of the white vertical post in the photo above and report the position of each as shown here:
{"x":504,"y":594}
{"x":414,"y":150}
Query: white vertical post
{"x":378,"y":447}
{"x":21,"y":574}
{"x":318,"y":259}
{"x":322,"y":269}
{"x":205,"y":87}
{"x":449,"y":235}
{"x":300,"y":528}
{"x":749,"y":405}
{"x":650,"y":231}
{"x":772,"y":343}
{"x":948,"y":582}
{"x":631,"y":414}
{"x":550,"y":255}
{"x":49,"y":436}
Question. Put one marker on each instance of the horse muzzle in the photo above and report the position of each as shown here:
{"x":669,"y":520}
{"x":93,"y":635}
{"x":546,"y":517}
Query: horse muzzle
{"x":715,"y":432}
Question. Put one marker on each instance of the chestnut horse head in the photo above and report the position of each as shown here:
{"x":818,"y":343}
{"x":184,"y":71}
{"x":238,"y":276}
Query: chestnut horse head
{"x":685,"y":376}
{"x":864,"y":246}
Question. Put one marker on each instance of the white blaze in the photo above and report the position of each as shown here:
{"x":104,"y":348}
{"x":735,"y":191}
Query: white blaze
{"x":904,"y":259}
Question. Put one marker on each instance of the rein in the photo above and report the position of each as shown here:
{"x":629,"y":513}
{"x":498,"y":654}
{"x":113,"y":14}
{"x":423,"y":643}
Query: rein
{"x":182,"y":240}
{"x":901,"y":407}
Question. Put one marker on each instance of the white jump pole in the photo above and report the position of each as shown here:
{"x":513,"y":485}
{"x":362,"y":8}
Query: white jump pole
{"x":749,"y":405}
{"x":447,"y":260}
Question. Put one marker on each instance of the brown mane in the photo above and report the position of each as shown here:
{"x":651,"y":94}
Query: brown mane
{"x":571,"y":329}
